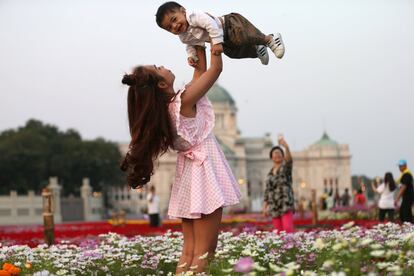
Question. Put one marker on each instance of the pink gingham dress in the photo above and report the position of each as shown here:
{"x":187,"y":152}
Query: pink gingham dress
{"x":204,"y":181}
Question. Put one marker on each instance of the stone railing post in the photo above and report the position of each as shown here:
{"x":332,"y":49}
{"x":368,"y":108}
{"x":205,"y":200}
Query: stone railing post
{"x":54,"y":188}
{"x":86,"y":193}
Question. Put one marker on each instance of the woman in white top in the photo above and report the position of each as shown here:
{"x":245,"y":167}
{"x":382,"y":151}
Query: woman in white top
{"x":386,"y":201}
{"x":153,"y":205}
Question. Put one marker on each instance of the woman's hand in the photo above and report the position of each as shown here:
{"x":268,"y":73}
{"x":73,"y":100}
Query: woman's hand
{"x":283,"y":143}
{"x":199,"y":62}
{"x":217,"y":49}
{"x":192,"y":61}
{"x":288,"y":155}
{"x":265,"y":211}
{"x":202,"y":81}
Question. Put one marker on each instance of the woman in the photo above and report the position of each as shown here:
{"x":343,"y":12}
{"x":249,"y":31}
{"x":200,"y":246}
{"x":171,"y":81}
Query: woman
{"x":278,"y":197}
{"x":386,"y":201}
{"x":160,"y":119}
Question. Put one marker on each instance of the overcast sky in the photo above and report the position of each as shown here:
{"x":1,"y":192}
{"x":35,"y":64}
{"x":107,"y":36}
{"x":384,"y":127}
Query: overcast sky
{"x":348,"y":69}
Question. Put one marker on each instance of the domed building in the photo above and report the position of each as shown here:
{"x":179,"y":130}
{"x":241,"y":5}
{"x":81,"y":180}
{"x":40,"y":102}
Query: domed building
{"x":323,"y":162}
{"x":326,"y":164}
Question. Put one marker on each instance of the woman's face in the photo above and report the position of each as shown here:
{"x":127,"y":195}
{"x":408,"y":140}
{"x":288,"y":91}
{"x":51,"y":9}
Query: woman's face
{"x":166,"y":75}
{"x":277,"y":156}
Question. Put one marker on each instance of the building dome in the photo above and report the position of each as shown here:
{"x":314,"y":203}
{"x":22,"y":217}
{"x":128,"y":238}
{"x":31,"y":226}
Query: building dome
{"x":326,"y":141}
{"x":218,"y":94}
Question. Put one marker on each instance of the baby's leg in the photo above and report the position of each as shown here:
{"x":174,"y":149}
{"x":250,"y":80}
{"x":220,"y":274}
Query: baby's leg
{"x":244,"y":51}
{"x":240,"y":31}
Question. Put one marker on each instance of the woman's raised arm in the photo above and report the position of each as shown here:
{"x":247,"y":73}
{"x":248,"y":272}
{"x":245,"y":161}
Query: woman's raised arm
{"x":201,"y":64}
{"x":201,"y":85}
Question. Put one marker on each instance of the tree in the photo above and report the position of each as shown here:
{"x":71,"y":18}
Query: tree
{"x":33,"y":153}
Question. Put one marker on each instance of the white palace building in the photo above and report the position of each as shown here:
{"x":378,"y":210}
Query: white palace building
{"x":323,"y":163}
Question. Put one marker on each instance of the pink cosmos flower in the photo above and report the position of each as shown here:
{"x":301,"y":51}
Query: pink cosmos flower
{"x":244,"y":265}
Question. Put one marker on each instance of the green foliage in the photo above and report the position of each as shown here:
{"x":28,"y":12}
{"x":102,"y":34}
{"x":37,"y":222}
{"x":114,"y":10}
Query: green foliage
{"x":33,"y":153}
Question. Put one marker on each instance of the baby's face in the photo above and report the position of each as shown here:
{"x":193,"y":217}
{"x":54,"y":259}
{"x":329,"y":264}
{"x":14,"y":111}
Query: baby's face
{"x":175,"y":21}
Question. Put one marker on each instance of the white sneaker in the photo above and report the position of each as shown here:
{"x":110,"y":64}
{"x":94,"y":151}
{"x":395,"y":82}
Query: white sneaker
{"x":262,"y":54}
{"x":277,"y":46}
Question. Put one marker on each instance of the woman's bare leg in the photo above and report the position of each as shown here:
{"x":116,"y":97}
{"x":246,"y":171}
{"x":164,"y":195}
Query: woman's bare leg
{"x":188,"y":248}
{"x":206,"y":230}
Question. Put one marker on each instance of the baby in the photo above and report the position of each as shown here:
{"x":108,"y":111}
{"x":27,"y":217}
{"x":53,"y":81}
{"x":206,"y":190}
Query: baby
{"x":232,"y":33}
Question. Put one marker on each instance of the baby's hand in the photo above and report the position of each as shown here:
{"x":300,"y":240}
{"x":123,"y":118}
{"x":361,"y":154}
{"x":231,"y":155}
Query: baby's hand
{"x":217,"y":49}
{"x":192,"y":61}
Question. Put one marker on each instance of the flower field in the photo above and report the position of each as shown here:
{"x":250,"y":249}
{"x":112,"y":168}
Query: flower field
{"x":77,"y":232}
{"x":384,"y":249}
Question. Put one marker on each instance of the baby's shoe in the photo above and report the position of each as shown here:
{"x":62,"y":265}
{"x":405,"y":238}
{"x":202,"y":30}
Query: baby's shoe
{"x":276,"y":45}
{"x":262,"y":54}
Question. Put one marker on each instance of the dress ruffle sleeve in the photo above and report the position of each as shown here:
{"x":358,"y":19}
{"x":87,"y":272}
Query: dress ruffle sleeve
{"x":196,"y":129}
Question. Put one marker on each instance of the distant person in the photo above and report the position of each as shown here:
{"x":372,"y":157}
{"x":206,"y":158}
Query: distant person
{"x":278,"y":197}
{"x":360,"y":198}
{"x":323,"y":198}
{"x":331,"y":189}
{"x":153,"y":205}
{"x":337,"y":198}
{"x":330,"y":201}
{"x":386,"y":200}
{"x":345,"y":198}
{"x":406,"y":192}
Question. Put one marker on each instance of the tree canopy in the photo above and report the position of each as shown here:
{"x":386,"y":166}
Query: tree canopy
{"x":31,"y":154}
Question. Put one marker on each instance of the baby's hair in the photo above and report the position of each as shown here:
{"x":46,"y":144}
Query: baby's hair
{"x":164,"y":9}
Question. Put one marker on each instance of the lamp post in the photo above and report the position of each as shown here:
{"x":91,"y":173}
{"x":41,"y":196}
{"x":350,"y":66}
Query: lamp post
{"x":314,"y":208}
{"x":48,"y":224}
{"x":301,"y":202}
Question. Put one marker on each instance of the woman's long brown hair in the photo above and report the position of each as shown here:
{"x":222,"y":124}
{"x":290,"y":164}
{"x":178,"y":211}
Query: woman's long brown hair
{"x":149,"y":125}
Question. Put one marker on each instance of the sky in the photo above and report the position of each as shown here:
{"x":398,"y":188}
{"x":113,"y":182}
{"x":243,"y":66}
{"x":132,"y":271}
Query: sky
{"x":348,"y":70}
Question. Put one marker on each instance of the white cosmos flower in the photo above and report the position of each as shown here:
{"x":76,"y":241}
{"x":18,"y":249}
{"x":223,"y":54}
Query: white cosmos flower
{"x":366,"y":241}
{"x":309,"y":273}
{"x":204,"y":256}
{"x":383,"y":265}
{"x":377,"y":253}
{"x":275,"y":268}
{"x":182,"y":265}
{"x":337,"y":247}
{"x":318,"y":244}
{"x":348,"y":225}
{"x":42,"y":273}
{"x":62,"y":272}
{"x":292,"y":265}
{"x":246,"y":252}
{"x":391,"y":243}
{"x":376,"y":246}
{"x":341,"y":273}
{"x":394,"y":268}
{"x":328,"y":264}
{"x":258,"y":267}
